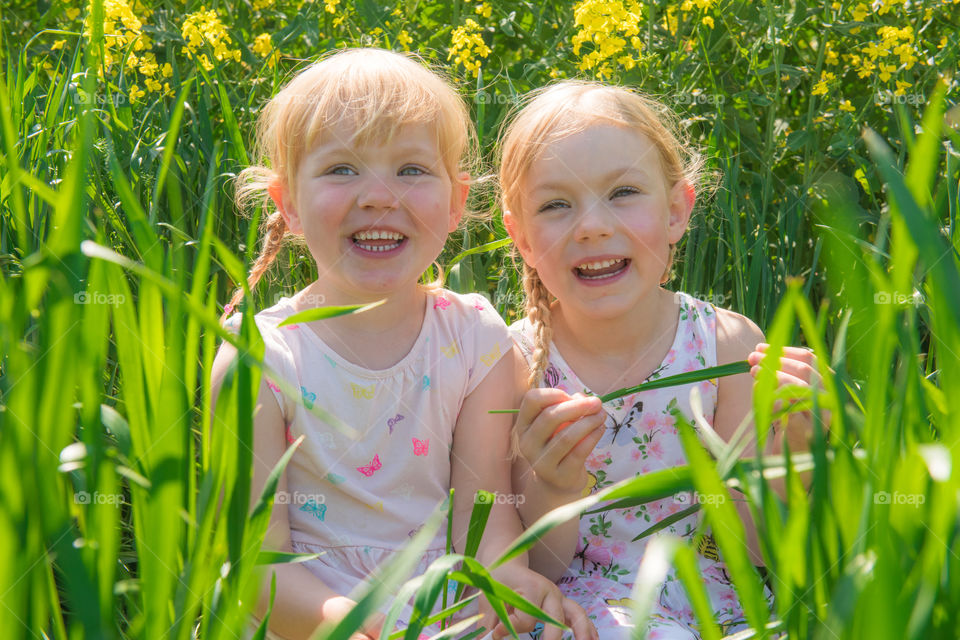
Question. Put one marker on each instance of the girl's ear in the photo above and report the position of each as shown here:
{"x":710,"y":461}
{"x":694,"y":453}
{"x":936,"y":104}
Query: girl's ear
{"x":281,"y":198}
{"x":513,"y":227}
{"x":461,"y":189}
{"x":682,"y":198}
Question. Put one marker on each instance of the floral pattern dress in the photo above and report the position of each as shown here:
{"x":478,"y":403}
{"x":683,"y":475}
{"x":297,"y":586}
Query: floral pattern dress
{"x":641,"y":438}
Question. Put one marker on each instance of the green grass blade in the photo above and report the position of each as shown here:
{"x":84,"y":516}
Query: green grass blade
{"x":333,"y":311}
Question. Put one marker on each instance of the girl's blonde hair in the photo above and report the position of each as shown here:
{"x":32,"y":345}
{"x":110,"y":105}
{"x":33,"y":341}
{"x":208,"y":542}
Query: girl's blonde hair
{"x":368,"y":94}
{"x":562,"y":109}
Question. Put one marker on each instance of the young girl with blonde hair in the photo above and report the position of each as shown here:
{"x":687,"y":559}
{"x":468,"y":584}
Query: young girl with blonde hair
{"x":597,"y":192}
{"x":367,"y":156}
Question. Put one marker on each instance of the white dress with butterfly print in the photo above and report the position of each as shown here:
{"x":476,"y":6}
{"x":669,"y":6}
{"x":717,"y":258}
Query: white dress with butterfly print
{"x":642,"y":437}
{"x":359,"y":501}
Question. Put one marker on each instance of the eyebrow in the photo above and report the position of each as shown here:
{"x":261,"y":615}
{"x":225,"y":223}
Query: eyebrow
{"x":552,"y":185}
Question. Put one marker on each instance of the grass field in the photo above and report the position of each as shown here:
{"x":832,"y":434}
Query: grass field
{"x":833,"y":132}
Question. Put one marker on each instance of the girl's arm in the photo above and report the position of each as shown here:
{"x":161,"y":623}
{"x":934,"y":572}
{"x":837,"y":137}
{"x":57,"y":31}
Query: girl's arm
{"x":550,"y":470}
{"x":302,"y":600}
{"x":480,"y":459}
{"x":738,"y":338}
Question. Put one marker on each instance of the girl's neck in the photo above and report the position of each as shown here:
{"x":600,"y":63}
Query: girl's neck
{"x":374,"y":339}
{"x":611,"y":353}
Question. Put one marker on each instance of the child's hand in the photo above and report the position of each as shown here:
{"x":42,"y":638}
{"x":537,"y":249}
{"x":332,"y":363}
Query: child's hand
{"x":336,"y":609}
{"x":798,"y":367}
{"x":544,"y":594}
{"x":557,"y":432}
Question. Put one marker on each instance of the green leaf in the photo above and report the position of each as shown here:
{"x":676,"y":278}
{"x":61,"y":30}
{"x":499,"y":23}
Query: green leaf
{"x":322,"y":313}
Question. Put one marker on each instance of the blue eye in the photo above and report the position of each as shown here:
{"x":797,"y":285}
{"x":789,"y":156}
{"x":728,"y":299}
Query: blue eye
{"x":342,"y":170}
{"x":553,"y":204}
{"x":412,"y":171}
{"x":624,"y":191}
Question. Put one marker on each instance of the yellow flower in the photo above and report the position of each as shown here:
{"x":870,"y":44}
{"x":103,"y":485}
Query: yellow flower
{"x":846,"y":106}
{"x":831,"y":56}
{"x":203,"y":29}
{"x":604,"y":26}
{"x":483,"y":9}
{"x":860,"y":12}
{"x":404,"y":39}
{"x":467,"y":43}
{"x":135,"y":93}
{"x":902,"y":87}
{"x":72,"y":13}
{"x":397,"y":13}
{"x":262,"y":45}
{"x":886,"y":71}
{"x":670,"y":21}
{"x":820,"y":88}
{"x":866,"y":69}
{"x":707,"y":20}
{"x":262,"y":4}
{"x":58,"y":45}
{"x":166,"y":70}
{"x":153,"y":85}
{"x":331,"y":5}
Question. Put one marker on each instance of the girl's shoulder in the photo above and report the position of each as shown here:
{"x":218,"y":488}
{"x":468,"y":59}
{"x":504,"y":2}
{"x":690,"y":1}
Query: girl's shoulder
{"x":453,"y":307}
{"x":737,"y":335}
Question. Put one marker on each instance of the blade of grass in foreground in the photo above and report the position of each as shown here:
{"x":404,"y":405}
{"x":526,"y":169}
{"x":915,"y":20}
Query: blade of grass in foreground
{"x":720,"y":371}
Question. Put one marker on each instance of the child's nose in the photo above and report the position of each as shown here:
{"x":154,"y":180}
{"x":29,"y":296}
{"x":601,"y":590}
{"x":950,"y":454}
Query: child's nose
{"x":594,"y":221}
{"x":377,"y":192}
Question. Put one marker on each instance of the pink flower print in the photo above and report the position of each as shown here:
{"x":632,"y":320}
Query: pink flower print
{"x":596,"y":461}
{"x":441,"y":303}
{"x":650,"y":422}
{"x":478,"y":303}
{"x":598,"y":554}
{"x":635,"y":454}
{"x":630,"y":516}
{"x":690,"y":346}
{"x":618,"y":549}
{"x":671,"y":357}
{"x":655,"y":449}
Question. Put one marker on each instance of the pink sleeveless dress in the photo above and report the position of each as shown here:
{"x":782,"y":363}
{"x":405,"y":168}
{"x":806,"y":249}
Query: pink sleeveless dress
{"x":642,"y":437}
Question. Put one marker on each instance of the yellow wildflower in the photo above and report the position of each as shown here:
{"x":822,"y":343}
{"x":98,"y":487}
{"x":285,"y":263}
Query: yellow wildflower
{"x":820,"y":88}
{"x":866,"y":69}
{"x":166,"y":70}
{"x":707,"y":20}
{"x":397,"y":13}
{"x":72,"y":13}
{"x":204,"y":28}
{"x":262,"y":45}
{"x":902,"y":87}
{"x":148,"y":65}
{"x":483,"y":9}
{"x":846,"y":106}
{"x":604,"y":25}
{"x":259,"y":5}
{"x":58,"y":45}
{"x":331,"y":5}
{"x":670,"y":21}
{"x":404,"y":39}
{"x":886,"y":71}
{"x":467,"y":43}
{"x":135,"y":93}
{"x":831,"y":56}
{"x":860,"y":12}
{"x":153,"y":85}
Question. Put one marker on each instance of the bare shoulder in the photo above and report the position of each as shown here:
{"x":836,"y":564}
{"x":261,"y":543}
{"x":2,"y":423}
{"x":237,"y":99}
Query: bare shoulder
{"x":737,"y":336}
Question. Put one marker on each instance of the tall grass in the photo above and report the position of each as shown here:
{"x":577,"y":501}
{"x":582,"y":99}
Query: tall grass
{"x":125,"y":503}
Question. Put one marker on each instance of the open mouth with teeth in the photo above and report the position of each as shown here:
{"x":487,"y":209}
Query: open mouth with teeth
{"x":602,"y":269}
{"x":378,"y":241}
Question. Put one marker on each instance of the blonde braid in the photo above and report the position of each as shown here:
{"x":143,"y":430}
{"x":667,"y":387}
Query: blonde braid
{"x":538,"y":310}
{"x":275,"y":230}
